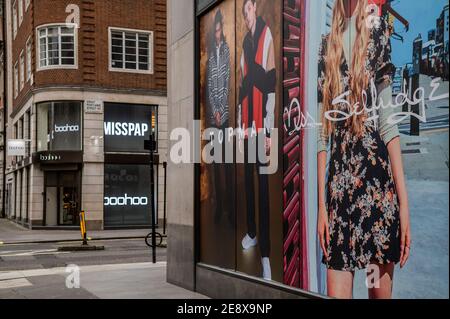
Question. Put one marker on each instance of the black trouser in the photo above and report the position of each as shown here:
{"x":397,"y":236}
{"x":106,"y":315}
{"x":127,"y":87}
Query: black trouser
{"x":223,"y":191}
{"x":264,"y":208}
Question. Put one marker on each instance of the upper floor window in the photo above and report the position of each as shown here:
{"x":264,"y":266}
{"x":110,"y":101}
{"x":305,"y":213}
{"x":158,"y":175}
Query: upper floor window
{"x":16,"y":80}
{"x":14,"y":20}
{"x":131,"y":50}
{"x":29,"y":53}
{"x":22,"y":70}
{"x":20,"y":12}
{"x":57,"y":46}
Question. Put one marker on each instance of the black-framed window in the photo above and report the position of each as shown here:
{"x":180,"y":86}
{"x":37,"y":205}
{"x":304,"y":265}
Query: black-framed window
{"x":59,"y":126}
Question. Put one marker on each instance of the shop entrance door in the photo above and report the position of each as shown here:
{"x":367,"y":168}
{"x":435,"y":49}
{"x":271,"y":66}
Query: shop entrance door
{"x":8,"y":194}
{"x":62,"y":198}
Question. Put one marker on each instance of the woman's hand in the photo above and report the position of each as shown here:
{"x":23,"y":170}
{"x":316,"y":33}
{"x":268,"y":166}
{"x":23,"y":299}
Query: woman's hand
{"x":323,"y":231}
{"x":405,"y":236}
{"x":395,"y":155}
{"x":268,"y":145}
{"x":217,"y":117}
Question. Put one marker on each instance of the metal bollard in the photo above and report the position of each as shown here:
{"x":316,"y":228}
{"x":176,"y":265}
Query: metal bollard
{"x":83,"y":228}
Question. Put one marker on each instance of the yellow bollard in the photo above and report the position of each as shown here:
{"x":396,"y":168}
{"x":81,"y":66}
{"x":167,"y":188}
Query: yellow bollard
{"x":83,"y":227}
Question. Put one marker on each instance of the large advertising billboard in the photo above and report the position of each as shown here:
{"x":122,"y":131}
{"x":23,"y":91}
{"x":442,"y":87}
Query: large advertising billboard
{"x":336,"y":115}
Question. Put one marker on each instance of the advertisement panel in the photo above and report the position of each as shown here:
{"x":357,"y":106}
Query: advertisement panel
{"x":360,"y":161}
{"x":383,"y":114}
{"x":217,"y":91}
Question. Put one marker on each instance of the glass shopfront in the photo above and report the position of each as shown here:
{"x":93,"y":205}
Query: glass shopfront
{"x":127,"y":171}
{"x":344,"y":83}
{"x":59,"y":126}
{"x":59,"y":153}
{"x":127,"y":126}
{"x":127,"y":195}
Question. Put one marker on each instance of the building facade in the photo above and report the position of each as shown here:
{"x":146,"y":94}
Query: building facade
{"x":86,"y":88}
{"x":205,"y":253}
{"x":240,"y":246}
{"x":2,"y":109}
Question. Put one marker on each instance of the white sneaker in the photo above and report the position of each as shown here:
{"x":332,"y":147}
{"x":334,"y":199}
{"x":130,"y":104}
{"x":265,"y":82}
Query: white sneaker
{"x":249,"y":242}
{"x":267,"y":272}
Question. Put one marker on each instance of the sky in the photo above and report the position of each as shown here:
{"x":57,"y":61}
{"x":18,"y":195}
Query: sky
{"x":422,"y":16}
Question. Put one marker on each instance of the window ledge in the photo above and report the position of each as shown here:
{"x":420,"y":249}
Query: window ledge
{"x":58,"y":67}
{"x":150,"y":72}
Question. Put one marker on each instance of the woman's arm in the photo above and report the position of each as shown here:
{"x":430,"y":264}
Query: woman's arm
{"x":390,"y":136}
{"x":395,"y":156}
{"x":322,"y":220}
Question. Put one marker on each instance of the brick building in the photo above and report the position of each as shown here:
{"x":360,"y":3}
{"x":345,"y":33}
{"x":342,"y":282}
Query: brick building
{"x":2,"y":109}
{"x":86,"y":86}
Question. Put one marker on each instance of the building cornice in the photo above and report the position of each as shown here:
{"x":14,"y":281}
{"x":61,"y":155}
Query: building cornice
{"x":85,"y":89}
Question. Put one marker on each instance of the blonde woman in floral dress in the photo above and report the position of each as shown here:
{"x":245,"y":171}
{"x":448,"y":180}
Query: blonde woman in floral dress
{"x":363,"y":220}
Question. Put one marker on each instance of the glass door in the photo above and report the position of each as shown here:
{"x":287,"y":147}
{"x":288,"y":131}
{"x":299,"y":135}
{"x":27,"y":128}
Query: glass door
{"x":62,"y":203}
{"x":68,"y":199}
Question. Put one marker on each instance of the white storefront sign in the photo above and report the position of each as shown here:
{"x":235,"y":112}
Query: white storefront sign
{"x":16,"y":148}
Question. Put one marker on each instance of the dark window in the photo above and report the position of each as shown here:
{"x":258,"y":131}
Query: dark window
{"x":59,"y":126}
{"x":127,"y":195}
{"x":127,"y":126}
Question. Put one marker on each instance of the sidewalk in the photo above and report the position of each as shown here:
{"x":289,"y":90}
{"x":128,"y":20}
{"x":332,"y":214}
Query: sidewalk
{"x":11,"y":233}
{"x":426,"y":274}
{"x":122,"y":281}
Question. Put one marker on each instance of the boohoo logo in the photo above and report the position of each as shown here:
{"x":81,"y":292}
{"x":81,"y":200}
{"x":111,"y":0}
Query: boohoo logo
{"x":67,"y":128}
{"x":49,"y":157}
{"x":126,"y":201}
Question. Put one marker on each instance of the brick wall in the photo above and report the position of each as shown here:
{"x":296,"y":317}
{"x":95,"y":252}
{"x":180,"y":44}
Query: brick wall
{"x":93,"y":43}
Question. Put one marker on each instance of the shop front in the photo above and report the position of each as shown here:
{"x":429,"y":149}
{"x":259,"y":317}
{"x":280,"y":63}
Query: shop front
{"x":127,"y":200}
{"x":59,"y":159}
{"x":261,"y":217}
{"x":62,"y":187}
{"x":83,"y":155}
{"x":335,"y":216}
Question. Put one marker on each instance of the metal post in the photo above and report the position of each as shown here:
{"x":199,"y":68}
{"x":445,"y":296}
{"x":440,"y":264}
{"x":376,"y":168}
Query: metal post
{"x":165,"y":198}
{"x":414,"y":122}
{"x":152,"y":196}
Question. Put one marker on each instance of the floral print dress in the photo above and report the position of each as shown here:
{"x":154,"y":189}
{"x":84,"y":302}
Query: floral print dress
{"x":362,"y":203}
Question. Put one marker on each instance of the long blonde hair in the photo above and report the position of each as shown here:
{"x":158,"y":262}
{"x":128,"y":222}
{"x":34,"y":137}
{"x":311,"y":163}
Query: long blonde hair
{"x":359,"y":77}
